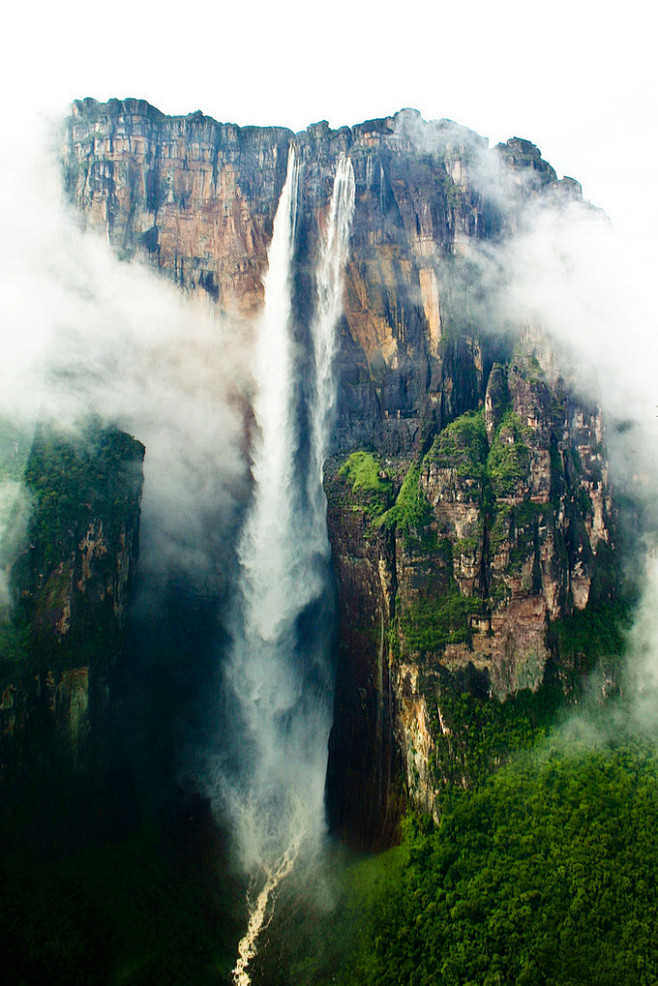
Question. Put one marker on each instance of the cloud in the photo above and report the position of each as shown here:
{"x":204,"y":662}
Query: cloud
{"x":82,"y":332}
{"x":584,"y":292}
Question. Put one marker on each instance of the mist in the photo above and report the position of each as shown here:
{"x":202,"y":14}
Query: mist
{"x":569,"y":286}
{"x":241,"y":520}
{"x":84,"y":334}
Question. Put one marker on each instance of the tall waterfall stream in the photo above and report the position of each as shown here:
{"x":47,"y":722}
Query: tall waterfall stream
{"x":280,"y":677}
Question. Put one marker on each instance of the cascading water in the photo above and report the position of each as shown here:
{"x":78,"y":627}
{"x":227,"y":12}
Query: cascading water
{"x":323,"y":335}
{"x":278,"y":672}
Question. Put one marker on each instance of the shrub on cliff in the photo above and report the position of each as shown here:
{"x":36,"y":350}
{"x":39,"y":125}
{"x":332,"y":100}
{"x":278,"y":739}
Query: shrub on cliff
{"x":365,"y":476}
{"x":462,"y":446}
{"x":411,"y":509}
{"x":509,"y":458}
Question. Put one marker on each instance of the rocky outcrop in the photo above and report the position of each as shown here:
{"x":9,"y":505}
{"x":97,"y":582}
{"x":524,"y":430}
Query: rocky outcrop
{"x":469,"y":505}
{"x":196,"y":199}
{"x":452,"y":568}
{"x":64,"y":632}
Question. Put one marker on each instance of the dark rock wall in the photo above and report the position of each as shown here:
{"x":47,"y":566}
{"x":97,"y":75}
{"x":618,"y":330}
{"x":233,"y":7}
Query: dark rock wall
{"x":63,"y":637}
{"x":498,"y":535}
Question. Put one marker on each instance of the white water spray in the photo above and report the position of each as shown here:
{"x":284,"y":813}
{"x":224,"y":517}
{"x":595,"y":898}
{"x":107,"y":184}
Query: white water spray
{"x":323,"y":332}
{"x":278,"y":673}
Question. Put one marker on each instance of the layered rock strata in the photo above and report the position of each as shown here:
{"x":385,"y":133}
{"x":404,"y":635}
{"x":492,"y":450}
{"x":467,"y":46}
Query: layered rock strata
{"x":477,"y":512}
{"x":452,"y":567}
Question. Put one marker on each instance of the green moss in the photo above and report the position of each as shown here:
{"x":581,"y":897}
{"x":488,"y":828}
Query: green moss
{"x":361,"y":472}
{"x":411,"y":509}
{"x":485,"y":731}
{"x":462,"y":446}
{"x":467,"y":546}
{"x":393,"y":636}
{"x":500,"y":526}
{"x":423,"y":542}
{"x":499,"y":593}
{"x":594,"y":633}
{"x":430,"y":624}
{"x":583,"y":501}
{"x":509,"y":457}
{"x":527,"y":513}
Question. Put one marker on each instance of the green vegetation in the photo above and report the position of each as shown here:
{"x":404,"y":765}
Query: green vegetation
{"x":426,"y":542}
{"x":432,"y":623}
{"x":72,"y":482}
{"x":589,"y":635}
{"x":583,"y":501}
{"x":509,"y":457}
{"x":75,"y":480}
{"x":500,"y":527}
{"x":411,"y":509}
{"x":362,"y":471}
{"x":462,"y":446}
{"x":14,"y":640}
{"x":547,"y":874}
{"x":485,"y":732}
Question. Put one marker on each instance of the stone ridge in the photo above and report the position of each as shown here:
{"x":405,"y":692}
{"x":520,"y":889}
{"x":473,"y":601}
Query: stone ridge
{"x":491,"y":519}
{"x":451,"y":571}
{"x":197,"y":199}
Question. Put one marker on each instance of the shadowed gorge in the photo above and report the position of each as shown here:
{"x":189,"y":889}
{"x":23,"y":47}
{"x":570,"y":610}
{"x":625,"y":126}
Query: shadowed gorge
{"x":391,"y":537}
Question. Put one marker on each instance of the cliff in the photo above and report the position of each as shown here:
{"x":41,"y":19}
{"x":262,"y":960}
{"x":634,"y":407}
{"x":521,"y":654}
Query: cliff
{"x":62,"y":631}
{"x":469,"y":504}
{"x":453,"y":570}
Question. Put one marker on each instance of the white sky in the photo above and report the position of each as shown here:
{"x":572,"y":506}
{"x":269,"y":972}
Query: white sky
{"x":574,"y":77}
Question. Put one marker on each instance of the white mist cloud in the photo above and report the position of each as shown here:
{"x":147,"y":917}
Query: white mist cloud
{"x":568,"y":271}
{"x":569,"y":275}
{"x":81,"y":333}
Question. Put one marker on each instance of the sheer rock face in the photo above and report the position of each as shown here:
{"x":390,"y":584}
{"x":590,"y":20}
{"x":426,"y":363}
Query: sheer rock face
{"x":197,"y":197}
{"x":515,"y":515}
{"x":71,"y":584}
{"x":197,"y":200}
{"x":461,"y":597}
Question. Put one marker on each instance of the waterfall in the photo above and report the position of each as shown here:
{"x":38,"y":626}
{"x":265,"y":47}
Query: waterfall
{"x":278,"y":672}
{"x":323,"y":335}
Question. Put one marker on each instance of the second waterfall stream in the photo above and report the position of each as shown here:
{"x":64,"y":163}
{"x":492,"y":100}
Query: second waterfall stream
{"x":279,"y":668}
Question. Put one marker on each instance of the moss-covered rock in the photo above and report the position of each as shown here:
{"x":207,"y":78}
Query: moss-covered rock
{"x":64,"y":630}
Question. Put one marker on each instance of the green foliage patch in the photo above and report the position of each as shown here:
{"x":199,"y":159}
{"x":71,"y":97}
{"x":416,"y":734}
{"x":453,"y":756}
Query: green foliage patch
{"x":593,"y":633}
{"x":14,"y":639}
{"x":75,"y":480}
{"x":72,"y":481}
{"x":362,"y":472}
{"x":547,"y":874}
{"x":509,"y":457}
{"x":430,"y":624}
{"x":411,"y":509}
{"x":484,"y":731}
{"x":462,"y":446}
